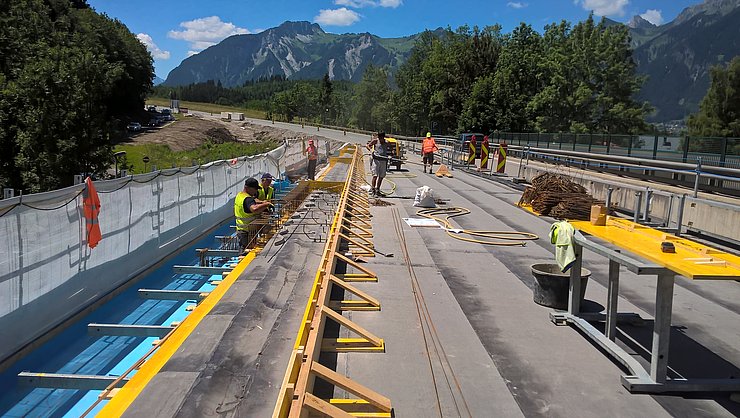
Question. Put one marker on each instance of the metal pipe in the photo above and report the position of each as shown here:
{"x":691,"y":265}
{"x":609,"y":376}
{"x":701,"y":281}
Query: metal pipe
{"x":638,"y":203}
{"x":609,"y":192}
{"x":679,"y":220}
{"x":696,"y":178}
{"x":646,"y":213}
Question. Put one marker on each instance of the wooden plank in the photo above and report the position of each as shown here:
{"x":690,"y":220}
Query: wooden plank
{"x":323,"y":407}
{"x":375,"y":399}
{"x":352,"y":326}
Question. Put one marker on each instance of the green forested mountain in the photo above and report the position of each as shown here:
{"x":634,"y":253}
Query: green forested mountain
{"x":675,"y":58}
{"x":67,"y":77}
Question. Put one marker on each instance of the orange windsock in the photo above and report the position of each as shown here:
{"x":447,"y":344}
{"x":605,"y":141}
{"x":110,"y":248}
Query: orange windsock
{"x":91,"y":208}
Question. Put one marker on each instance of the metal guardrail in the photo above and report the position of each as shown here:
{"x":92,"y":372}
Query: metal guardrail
{"x":715,"y":151}
{"x":718,"y":179}
{"x":350,"y":228}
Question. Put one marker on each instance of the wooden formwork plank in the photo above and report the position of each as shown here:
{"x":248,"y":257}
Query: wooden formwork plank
{"x":367,"y":232}
{"x":374,"y":398}
{"x":354,"y":290}
{"x":351,"y":325}
{"x":358,"y":236}
{"x":356,"y":265}
{"x":321,"y":406}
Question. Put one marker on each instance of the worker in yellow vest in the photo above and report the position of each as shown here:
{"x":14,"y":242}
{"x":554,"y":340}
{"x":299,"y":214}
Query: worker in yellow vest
{"x":246,"y":209}
{"x":266,"y":191}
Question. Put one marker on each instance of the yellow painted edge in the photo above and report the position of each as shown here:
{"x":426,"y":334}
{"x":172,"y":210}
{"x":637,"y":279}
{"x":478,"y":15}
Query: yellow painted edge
{"x":123,"y":399}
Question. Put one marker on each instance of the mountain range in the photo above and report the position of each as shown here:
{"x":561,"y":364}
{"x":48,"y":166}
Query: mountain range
{"x":675,"y":57}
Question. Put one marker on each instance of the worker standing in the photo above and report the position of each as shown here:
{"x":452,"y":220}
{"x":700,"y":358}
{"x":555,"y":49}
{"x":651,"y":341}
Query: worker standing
{"x":378,"y":163}
{"x":266,"y":191}
{"x":313,"y":156}
{"x":246,"y":209}
{"x":428,"y":146}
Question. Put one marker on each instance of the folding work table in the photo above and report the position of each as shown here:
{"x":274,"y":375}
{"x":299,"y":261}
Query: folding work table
{"x":642,"y":255}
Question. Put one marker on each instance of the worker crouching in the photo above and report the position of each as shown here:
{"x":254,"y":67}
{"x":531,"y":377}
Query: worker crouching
{"x":247,"y":208}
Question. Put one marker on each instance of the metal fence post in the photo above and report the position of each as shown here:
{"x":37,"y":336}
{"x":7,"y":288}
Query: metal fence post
{"x":686,"y":143}
{"x":646,"y":212}
{"x":609,"y":192}
{"x":638,"y":203}
{"x":655,"y":148}
{"x":679,"y":216}
{"x":697,"y":175}
{"x":608,"y":143}
{"x":590,"y":141}
{"x":629,"y":147}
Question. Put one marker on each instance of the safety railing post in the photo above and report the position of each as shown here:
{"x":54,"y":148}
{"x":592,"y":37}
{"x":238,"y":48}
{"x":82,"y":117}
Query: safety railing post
{"x":679,"y":216}
{"x":697,"y":175}
{"x":609,"y":192}
{"x":638,"y":203}
{"x":646,"y":212}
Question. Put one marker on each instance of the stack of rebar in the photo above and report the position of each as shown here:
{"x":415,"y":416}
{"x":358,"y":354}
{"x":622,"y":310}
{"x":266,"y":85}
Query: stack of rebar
{"x":557,"y":196}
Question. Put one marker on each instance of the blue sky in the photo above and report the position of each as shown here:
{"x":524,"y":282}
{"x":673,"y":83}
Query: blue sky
{"x":173,"y":30}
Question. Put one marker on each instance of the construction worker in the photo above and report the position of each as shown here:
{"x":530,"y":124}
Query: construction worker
{"x":266,"y":191}
{"x":378,"y":163}
{"x":246,"y":209}
{"x":428,"y":146}
{"x":313,"y":156}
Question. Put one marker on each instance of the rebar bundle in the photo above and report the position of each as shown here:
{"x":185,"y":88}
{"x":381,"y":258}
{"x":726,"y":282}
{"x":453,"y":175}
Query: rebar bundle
{"x":557,"y":196}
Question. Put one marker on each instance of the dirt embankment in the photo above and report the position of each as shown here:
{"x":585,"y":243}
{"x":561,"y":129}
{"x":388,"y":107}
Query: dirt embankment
{"x":191,"y":132}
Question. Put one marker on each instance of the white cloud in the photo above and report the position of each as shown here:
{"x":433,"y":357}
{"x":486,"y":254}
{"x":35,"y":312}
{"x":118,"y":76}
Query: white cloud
{"x":205,"y":32}
{"x":653,"y":16}
{"x":605,"y":7}
{"x":191,"y":53}
{"x":390,"y":3}
{"x":516,"y":5}
{"x":358,"y":4}
{"x":337,"y":17}
{"x":153,"y":49}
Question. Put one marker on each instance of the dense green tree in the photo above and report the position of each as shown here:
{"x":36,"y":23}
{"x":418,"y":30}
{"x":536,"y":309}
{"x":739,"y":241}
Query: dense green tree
{"x":67,"y":76}
{"x":719,"y":113}
{"x":370,"y":100}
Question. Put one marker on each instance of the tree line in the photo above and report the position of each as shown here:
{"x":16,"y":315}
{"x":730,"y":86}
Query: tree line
{"x":69,"y":78}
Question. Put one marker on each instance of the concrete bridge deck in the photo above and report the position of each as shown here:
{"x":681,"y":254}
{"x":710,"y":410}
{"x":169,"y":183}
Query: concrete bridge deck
{"x":462,"y":334}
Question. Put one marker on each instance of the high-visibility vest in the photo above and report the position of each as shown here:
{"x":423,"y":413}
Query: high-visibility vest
{"x":270,"y":193}
{"x":242,"y":217}
{"x":91,"y":209}
{"x":428,"y":145}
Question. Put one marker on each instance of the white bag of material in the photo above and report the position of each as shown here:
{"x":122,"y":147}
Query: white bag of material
{"x":424,"y":197}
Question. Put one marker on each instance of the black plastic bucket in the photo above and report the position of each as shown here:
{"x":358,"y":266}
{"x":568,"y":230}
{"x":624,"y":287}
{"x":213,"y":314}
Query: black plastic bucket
{"x":551,"y":286}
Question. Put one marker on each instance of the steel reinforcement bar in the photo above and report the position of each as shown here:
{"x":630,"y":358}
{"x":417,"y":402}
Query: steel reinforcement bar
{"x":350,"y":235}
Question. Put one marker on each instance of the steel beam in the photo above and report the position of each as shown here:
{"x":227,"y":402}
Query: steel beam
{"x":68,"y":381}
{"x":203,"y":271}
{"x":172,"y":294}
{"x":121,"y":330}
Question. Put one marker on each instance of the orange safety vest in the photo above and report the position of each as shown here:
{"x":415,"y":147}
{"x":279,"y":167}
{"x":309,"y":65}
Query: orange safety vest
{"x":428,"y":145}
{"x":91,"y":209}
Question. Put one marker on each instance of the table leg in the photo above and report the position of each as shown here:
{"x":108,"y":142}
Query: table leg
{"x":574,"y":297}
{"x":613,"y":299}
{"x":662,"y":327}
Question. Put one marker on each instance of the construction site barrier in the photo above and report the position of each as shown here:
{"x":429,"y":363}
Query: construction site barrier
{"x":47,"y":271}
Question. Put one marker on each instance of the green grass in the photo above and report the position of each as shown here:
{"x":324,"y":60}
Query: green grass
{"x":208,"y":107}
{"x":163,"y":157}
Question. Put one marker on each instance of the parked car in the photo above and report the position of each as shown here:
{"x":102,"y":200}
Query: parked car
{"x":152,"y":123}
{"x":133,"y":127}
